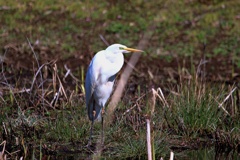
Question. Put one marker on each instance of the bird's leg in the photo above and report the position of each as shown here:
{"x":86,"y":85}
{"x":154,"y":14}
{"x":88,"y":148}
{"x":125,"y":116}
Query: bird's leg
{"x":91,"y":130}
{"x":90,"y":136}
{"x":102,"y":135}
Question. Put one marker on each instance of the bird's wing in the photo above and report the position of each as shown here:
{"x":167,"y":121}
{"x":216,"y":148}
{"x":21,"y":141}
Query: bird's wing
{"x":90,"y":84}
{"x":92,"y":79}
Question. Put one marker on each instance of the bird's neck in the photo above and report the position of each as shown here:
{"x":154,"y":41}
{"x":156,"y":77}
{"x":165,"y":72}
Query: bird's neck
{"x":113,"y":66}
{"x":116,"y":60}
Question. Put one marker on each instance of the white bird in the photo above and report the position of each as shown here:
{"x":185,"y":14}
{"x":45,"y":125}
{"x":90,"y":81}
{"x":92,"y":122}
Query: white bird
{"x":100,"y":79}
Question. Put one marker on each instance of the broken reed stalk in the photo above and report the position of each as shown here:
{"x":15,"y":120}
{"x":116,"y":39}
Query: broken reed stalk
{"x":149,"y":146}
{"x":150,"y":112}
{"x":171,"y":155}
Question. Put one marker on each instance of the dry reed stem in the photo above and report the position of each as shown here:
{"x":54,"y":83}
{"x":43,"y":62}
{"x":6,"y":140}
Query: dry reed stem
{"x":153,"y":101}
{"x":171,"y":155}
{"x":39,"y":69}
{"x":149,"y":146}
{"x":69,"y":73}
{"x":221,"y":104}
{"x":160,"y":96}
{"x":136,"y":104}
{"x":5,"y":130}
{"x":2,"y":155}
{"x":35,"y":76}
{"x":61,"y":89}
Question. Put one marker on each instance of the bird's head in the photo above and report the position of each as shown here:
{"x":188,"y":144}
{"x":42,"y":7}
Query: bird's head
{"x":119,"y":48}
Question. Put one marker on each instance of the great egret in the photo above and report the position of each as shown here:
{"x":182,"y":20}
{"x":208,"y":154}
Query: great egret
{"x":100,"y":79}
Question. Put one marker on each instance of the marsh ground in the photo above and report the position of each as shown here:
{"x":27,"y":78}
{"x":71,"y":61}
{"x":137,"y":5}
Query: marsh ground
{"x":192,"y":55}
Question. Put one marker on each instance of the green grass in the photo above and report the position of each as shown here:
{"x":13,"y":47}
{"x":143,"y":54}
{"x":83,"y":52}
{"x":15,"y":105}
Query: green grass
{"x":194,"y":111}
{"x":67,"y":126}
{"x":195,"y":24}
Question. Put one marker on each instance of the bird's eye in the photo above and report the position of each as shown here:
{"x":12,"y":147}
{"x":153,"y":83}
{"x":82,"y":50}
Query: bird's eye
{"x":121,"y":48}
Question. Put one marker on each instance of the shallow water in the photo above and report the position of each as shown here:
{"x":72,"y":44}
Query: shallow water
{"x":208,"y":153}
{"x":201,"y":154}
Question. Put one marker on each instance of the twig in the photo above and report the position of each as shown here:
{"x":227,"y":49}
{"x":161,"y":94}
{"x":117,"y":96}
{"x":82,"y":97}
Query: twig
{"x":4,"y":126}
{"x":41,"y":76}
{"x":2,"y":156}
{"x":69,"y":73}
{"x":60,"y":89}
{"x":128,"y":110}
{"x":38,"y":72}
{"x":104,"y":40}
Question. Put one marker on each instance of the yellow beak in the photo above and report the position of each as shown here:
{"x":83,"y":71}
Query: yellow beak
{"x":133,"y":50}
